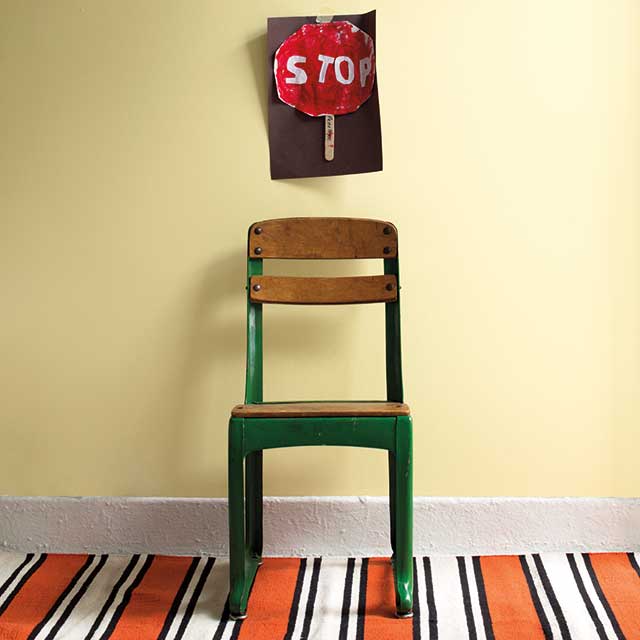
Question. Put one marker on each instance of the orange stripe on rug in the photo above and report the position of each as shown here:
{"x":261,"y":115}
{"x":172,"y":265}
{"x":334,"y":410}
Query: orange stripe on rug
{"x":380,"y":622}
{"x":270,"y":600}
{"x":32,"y":603}
{"x":151,"y":600}
{"x":621,"y":586}
{"x":513,"y":614}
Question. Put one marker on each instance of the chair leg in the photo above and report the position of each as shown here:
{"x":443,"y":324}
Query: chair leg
{"x":403,"y":507}
{"x":392,"y":501}
{"x":237,"y":561}
{"x":253,"y":506}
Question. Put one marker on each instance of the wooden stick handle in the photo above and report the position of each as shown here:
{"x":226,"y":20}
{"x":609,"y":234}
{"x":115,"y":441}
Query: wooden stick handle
{"x":329,"y":137}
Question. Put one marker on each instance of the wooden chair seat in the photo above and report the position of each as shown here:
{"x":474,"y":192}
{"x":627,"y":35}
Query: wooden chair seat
{"x":320,"y":409}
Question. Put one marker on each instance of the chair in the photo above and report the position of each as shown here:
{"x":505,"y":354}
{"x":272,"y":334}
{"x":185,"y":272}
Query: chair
{"x":257,"y":425}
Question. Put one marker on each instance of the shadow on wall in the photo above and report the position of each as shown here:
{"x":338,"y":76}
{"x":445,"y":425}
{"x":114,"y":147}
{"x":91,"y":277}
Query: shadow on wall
{"x":211,"y":378}
{"x":214,"y":340}
{"x":257,"y":50}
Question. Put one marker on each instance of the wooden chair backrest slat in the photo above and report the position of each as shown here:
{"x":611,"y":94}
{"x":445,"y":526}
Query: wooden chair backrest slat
{"x":322,"y":239}
{"x":351,"y":290}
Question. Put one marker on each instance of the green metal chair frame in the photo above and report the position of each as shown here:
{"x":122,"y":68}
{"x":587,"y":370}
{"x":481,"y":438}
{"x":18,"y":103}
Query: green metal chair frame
{"x":249,"y":436}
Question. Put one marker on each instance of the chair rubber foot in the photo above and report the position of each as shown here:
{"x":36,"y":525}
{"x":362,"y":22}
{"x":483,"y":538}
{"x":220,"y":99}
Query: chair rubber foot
{"x":408,"y":614}
{"x":239,"y":616}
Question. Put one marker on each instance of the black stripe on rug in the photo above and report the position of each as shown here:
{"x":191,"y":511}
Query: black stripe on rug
{"x":605,"y":603}
{"x":193,"y":601}
{"x":127,"y":597}
{"x":311,"y":600}
{"x":7,"y":583}
{"x":22,"y":582}
{"x":634,"y":563}
{"x":466,"y":598}
{"x":295,"y":604}
{"x":112,"y":596}
{"x":362,"y":599}
{"x":537,"y":604}
{"x":61,"y":598}
{"x":482,"y":597}
{"x":431,"y":599}
{"x":346,"y":599}
{"x":76,"y":598}
{"x":585,"y":597}
{"x":551,"y":595}
{"x":175,"y":605}
{"x":224,"y":618}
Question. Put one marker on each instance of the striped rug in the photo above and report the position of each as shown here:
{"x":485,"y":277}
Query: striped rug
{"x":580,"y":596}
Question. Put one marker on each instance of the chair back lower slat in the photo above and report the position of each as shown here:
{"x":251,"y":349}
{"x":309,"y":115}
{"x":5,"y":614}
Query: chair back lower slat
{"x":322,"y":238}
{"x":351,"y":290}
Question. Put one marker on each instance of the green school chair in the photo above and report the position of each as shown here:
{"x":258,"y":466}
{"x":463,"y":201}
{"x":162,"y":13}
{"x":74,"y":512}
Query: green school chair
{"x":256,"y":425}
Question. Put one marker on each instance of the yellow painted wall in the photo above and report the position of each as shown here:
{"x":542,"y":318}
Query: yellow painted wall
{"x":134,"y":155}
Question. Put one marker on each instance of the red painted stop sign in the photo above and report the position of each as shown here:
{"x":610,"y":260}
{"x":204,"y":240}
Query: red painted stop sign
{"x":325,"y":69}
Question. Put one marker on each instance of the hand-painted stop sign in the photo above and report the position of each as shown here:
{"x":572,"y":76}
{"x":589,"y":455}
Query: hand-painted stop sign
{"x":325,"y":69}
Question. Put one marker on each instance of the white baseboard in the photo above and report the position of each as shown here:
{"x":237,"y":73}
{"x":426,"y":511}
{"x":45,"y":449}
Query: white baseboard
{"x":328,"y":526}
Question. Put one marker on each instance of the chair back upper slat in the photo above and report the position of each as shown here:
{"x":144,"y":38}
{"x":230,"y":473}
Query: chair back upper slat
{"x":353,"y":290}
{"x":322,"y":238}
